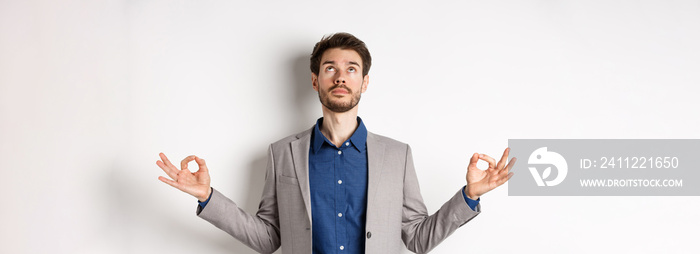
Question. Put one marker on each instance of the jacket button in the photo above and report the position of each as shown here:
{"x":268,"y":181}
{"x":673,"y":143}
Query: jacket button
{"x":369,"y":235}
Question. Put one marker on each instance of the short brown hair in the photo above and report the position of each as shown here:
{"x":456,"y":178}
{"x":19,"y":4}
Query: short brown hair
{"x":342,"y":41}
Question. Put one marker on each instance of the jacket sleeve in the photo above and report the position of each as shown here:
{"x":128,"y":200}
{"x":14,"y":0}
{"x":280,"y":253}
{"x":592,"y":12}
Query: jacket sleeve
{"x":261,"y":231}
{"x":421,"y":232}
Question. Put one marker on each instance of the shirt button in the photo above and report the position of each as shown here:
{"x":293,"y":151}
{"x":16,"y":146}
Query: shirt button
{"x":347,"y":143}
{"x":342,"y":247}
{"x":340,"y":181}
{"x":369,"y":235}
{"x":340,"y":214}
{"x":340,"y":152}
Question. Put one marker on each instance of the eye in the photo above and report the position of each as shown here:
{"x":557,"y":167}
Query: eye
{"x":351,"y":69}
{"x":330,"y":68}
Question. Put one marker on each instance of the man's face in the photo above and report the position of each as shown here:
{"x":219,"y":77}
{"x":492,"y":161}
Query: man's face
{"x":339,"y":82}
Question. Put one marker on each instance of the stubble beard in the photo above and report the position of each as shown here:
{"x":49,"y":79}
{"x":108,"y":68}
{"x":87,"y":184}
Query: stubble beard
{"x":336,"y":106}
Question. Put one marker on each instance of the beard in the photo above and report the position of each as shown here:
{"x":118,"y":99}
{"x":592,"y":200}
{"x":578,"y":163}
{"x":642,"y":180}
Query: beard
{"x":339,"y":106}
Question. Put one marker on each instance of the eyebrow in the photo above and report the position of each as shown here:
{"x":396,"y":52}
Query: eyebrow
{"x":333,"y":62}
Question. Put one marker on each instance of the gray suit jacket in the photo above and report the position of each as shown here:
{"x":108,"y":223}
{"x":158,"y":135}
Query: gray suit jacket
{"x":395,"y":208}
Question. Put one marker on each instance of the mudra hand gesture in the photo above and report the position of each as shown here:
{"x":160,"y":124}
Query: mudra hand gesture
{"x":196,"y":184}
{"x":481,"y":181}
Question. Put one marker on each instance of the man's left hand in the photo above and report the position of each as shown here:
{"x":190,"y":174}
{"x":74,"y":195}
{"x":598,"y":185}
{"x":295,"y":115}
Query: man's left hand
{"x":481,"y":181}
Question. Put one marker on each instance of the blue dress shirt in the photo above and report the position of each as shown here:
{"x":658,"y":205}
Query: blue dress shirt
{"x":338,"y":184}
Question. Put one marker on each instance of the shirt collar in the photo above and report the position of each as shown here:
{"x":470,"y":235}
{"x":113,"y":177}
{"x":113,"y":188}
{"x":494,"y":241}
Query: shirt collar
{"x":358,"y":138}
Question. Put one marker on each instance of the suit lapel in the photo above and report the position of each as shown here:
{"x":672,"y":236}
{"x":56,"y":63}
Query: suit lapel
{"x":375,"y":159}
{"x":300,"y":155}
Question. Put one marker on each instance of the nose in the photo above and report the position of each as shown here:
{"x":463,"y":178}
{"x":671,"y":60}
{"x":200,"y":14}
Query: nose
{"x":339,"y":79}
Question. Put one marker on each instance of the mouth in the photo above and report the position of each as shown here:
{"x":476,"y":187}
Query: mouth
{"x":340,"y":90}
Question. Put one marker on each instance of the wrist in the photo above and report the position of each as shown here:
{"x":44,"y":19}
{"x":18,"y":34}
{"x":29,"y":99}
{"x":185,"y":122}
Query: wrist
{"x":470,"y":195}
{"x":206,"y":195}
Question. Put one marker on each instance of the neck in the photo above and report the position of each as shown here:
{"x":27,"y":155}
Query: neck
{"x":338,"y":127}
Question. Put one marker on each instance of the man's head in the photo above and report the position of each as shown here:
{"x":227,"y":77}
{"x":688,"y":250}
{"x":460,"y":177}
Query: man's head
{"x":339,"y":67}
{"x":342,"y":41}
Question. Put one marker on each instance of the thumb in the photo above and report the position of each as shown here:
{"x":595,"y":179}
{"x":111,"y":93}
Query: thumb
{"x":474,"y":160}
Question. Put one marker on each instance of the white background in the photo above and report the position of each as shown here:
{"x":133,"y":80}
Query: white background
{"x":92,"y":91}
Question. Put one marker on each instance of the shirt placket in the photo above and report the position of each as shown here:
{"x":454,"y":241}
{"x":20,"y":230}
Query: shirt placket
{"x":340,"y":199}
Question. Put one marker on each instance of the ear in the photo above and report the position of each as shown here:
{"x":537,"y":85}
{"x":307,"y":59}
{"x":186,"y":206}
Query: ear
{"x":314,"y":81}
{"x":365,"y":82}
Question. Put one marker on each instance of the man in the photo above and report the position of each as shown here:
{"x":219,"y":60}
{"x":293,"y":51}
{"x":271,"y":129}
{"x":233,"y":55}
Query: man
{"x":337,"y":188}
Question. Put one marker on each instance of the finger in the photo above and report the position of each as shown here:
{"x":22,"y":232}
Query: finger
{"x":502,"y":173}
{"x":202,"y":164}
{"x":491,"y":161}
{"x":503,"y":179}
{"x":183,"y":163}
{"x":167,"y":162}
{"x":510,"y":164}
{"x":504,"y":159}
{"x":169,"y":182}
{"x":474,"y":160}
{"x":169,"y":171}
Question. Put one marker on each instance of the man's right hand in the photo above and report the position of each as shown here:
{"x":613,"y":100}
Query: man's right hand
{"x":196,"y":184}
